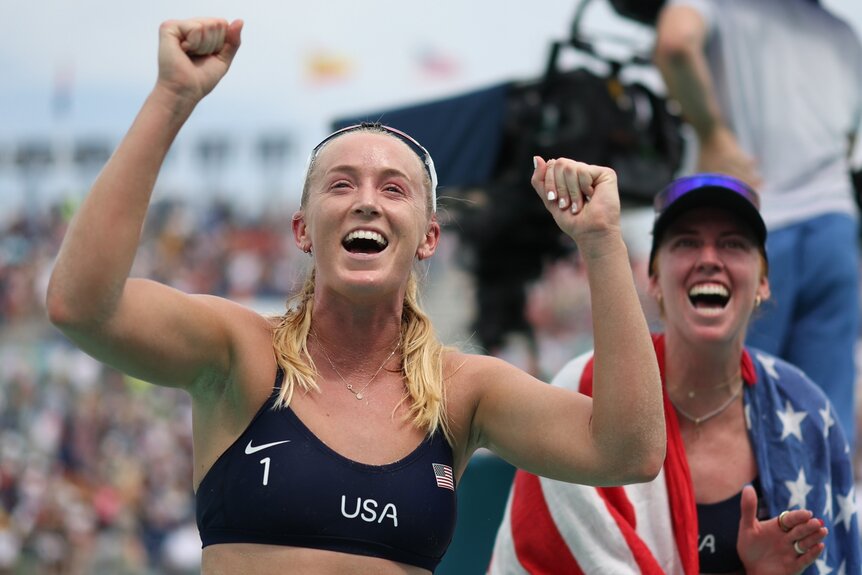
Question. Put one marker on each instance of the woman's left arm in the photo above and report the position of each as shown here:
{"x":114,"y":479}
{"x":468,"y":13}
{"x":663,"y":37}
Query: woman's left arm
{"x":618,"y":436}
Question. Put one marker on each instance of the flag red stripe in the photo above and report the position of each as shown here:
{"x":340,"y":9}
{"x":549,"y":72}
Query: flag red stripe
{"x":538,"y":544}
{"x":677,"y":478}
{"x":621,"y":510}
{"x":618,"y":504}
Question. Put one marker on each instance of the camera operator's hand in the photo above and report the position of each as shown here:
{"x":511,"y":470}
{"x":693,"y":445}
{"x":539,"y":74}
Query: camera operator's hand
{"x":582,"y":198}
{"x":721,"y":153}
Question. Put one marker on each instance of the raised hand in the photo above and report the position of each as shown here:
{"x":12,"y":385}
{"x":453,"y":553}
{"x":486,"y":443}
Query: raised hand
{"x":195,"y":54}
{"x":582,"y":198}
{"x":772,"y":547}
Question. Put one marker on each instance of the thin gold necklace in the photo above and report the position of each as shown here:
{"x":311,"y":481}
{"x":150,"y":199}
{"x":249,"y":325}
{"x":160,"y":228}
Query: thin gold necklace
{"x":711,"y":414}
{"x":361,"y":393}
{"x":692,"y":393}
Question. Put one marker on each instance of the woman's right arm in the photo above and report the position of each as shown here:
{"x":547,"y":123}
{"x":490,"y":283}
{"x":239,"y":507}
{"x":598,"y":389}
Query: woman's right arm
{"x":141,"y":327}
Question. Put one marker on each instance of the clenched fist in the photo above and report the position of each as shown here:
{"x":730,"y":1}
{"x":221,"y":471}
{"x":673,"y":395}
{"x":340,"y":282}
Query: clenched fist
{"x":582,"y":198}
{"x":195,"y":54}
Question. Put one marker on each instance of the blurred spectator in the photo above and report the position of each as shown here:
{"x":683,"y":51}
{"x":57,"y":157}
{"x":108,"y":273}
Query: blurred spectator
{"x":95,"y":466}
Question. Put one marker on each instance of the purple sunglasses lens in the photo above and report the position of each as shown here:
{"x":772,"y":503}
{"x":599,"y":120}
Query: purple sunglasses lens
{"x":684,"y":185}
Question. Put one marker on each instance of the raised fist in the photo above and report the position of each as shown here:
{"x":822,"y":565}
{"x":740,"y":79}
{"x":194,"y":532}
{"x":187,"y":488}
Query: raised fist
{"x":195,"y":54}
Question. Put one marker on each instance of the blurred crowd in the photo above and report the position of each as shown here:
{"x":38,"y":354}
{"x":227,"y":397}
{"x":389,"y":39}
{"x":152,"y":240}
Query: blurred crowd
{"x":95,"y":467}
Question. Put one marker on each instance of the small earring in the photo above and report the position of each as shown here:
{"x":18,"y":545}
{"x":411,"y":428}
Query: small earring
{"x":307,"y":250}
{"x":757,"y":300}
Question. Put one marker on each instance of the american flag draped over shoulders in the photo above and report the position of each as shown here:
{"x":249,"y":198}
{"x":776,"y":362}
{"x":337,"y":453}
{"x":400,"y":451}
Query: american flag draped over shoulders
{"x":553,"y":527}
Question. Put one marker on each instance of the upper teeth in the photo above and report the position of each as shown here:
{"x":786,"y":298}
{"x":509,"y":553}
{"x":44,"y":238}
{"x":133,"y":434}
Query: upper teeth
{"x":709,"y":289}
{"x":366,"y":235}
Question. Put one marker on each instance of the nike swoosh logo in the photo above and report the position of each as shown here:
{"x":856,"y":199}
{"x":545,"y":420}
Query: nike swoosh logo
{"x":249,"y":449}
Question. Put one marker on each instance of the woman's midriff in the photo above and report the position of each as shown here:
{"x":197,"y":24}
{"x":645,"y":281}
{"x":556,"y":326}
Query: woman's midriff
{"x":254,"y":559}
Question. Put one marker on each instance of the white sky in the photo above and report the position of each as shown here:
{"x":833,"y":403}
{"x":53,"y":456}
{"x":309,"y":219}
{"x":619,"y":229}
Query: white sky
{"x":112,"y":45}
{"x":110,"y":49}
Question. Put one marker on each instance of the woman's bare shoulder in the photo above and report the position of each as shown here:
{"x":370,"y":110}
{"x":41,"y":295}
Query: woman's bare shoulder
{"x":467,"y":377}
{"x":461,"y":366}
{"x":236,"y":311}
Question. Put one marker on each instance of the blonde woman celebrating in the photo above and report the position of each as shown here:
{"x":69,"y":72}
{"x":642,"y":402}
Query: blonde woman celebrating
{"x":332,"y":438}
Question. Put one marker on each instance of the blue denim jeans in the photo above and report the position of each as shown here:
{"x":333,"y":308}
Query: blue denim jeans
{"x":812,"y":319}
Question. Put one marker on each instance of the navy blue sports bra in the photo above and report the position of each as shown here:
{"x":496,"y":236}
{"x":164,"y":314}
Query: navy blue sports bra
{"x":718,"y":529}
{"x":278,"y":484}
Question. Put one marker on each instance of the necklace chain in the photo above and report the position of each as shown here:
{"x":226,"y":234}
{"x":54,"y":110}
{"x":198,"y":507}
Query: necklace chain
{"x":726,"y":383}
{"x":361,"y":393}
{"x":711,"y":414}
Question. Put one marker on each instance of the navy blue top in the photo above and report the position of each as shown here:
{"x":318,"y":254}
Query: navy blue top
{"x":278,"y":484}
{"x":718,"y":530}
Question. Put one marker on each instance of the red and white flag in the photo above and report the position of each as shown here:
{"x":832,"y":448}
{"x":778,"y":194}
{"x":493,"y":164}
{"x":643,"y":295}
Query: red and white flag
{"x":553,"y":527}
{"x":558,"y":527}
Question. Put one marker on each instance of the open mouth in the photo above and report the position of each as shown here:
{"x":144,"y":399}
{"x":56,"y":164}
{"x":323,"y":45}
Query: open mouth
{"x":364,"y":242}
{"x":709,"y":297}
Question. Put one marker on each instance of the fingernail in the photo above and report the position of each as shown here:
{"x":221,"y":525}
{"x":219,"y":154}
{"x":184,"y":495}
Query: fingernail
{"x":574,"y":208}
{"x":562,"y":203}
{"x":821,"y":522}
{"x":552,"y":196}
{"x":535,"y":162}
